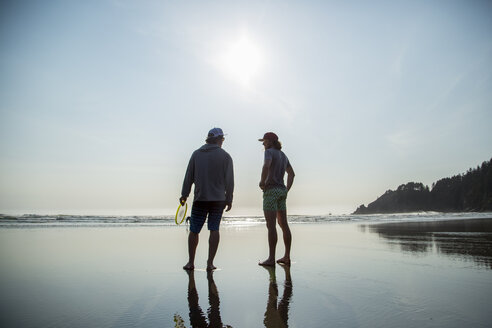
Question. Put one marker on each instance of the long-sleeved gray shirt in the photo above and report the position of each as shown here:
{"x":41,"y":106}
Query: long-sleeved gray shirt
{"x":210,"y":169}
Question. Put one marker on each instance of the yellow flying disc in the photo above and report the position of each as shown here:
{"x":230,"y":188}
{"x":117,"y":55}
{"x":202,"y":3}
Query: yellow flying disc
{"x":181,"y":213}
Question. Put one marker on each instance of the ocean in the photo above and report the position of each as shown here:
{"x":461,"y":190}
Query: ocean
{"x":62,"y":220}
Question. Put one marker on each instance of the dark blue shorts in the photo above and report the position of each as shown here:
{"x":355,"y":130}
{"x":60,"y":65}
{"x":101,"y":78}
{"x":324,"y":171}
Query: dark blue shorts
{"x":201,"y":210}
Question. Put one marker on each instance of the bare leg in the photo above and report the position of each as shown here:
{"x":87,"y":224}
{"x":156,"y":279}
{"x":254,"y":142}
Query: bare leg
{"x":272,"y":237}
{"x":192,"y":244}
{"x":284,"y":225}
{"x":213,"y":244}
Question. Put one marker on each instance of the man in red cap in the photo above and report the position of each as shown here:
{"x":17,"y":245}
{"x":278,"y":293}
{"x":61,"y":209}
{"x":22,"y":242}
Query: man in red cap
{"x":275,"y":195}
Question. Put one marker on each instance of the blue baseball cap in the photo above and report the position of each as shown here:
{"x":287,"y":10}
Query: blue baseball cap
{"x":215,"y":132}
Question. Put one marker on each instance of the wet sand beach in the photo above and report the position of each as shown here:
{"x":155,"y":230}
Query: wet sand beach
{"x":405,"y":274}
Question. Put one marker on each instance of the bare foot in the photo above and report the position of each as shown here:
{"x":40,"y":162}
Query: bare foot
{"x":211,"y":267}
{"x":267,"y":263}
{"x":189,"y":266}
{"x":284,"y":261}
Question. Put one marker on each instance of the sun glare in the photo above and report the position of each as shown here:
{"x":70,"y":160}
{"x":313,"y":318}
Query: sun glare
{"x":242,"y":61}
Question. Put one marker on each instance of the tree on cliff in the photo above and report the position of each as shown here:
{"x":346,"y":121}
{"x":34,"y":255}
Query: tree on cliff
{"x":471,"y":191}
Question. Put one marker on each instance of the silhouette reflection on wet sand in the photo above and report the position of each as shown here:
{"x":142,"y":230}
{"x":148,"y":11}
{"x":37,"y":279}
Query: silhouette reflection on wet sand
{"x":277,"y":315}
{"x":464,"y":239}
{"x":197,"y":317}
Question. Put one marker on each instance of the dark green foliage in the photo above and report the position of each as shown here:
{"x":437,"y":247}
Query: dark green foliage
{"x":467,"y":192}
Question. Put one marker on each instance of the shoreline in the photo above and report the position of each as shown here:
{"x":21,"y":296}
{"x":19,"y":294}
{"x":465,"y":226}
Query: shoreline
{"x":48,"y":221}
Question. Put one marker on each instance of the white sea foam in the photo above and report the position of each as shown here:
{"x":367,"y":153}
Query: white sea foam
{"x":35,"y":220}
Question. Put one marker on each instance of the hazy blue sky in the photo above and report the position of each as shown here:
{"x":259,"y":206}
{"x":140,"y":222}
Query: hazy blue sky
{"x":102,"y":102}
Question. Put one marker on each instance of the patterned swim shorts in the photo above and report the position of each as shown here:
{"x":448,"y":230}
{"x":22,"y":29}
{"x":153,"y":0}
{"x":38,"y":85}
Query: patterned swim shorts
{"x":275,"y":199}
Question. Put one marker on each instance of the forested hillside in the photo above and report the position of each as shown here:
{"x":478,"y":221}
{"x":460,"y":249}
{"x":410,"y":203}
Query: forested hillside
{"x":467,"y":192}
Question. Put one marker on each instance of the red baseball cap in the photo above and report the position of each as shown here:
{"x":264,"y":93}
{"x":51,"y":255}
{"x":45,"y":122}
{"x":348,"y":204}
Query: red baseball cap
{"x":269,"y":136}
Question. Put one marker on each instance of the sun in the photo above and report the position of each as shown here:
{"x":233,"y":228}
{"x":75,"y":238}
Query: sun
{"x":242,"y":60}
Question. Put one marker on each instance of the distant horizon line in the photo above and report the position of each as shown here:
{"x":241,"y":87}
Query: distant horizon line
{"x":27,"y":214}
{"x":241,"y":211}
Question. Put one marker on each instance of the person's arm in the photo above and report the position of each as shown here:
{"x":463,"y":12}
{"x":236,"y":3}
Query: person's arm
{"x":290,"y":176}
{"x":264,"y":172}
{"x":188,"y":181}
{"x":229,"y":184}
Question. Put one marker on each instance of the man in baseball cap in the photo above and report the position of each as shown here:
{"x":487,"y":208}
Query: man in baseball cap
{"x":275,"y":192}
{"x":210,"y":169}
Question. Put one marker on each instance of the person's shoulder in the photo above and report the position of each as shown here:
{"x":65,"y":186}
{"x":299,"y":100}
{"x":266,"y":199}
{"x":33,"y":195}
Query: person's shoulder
{"x":284,"y":155}
{"x":225,"y":153}
{"x":198,"y":153}
{"x":275,"y":152}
